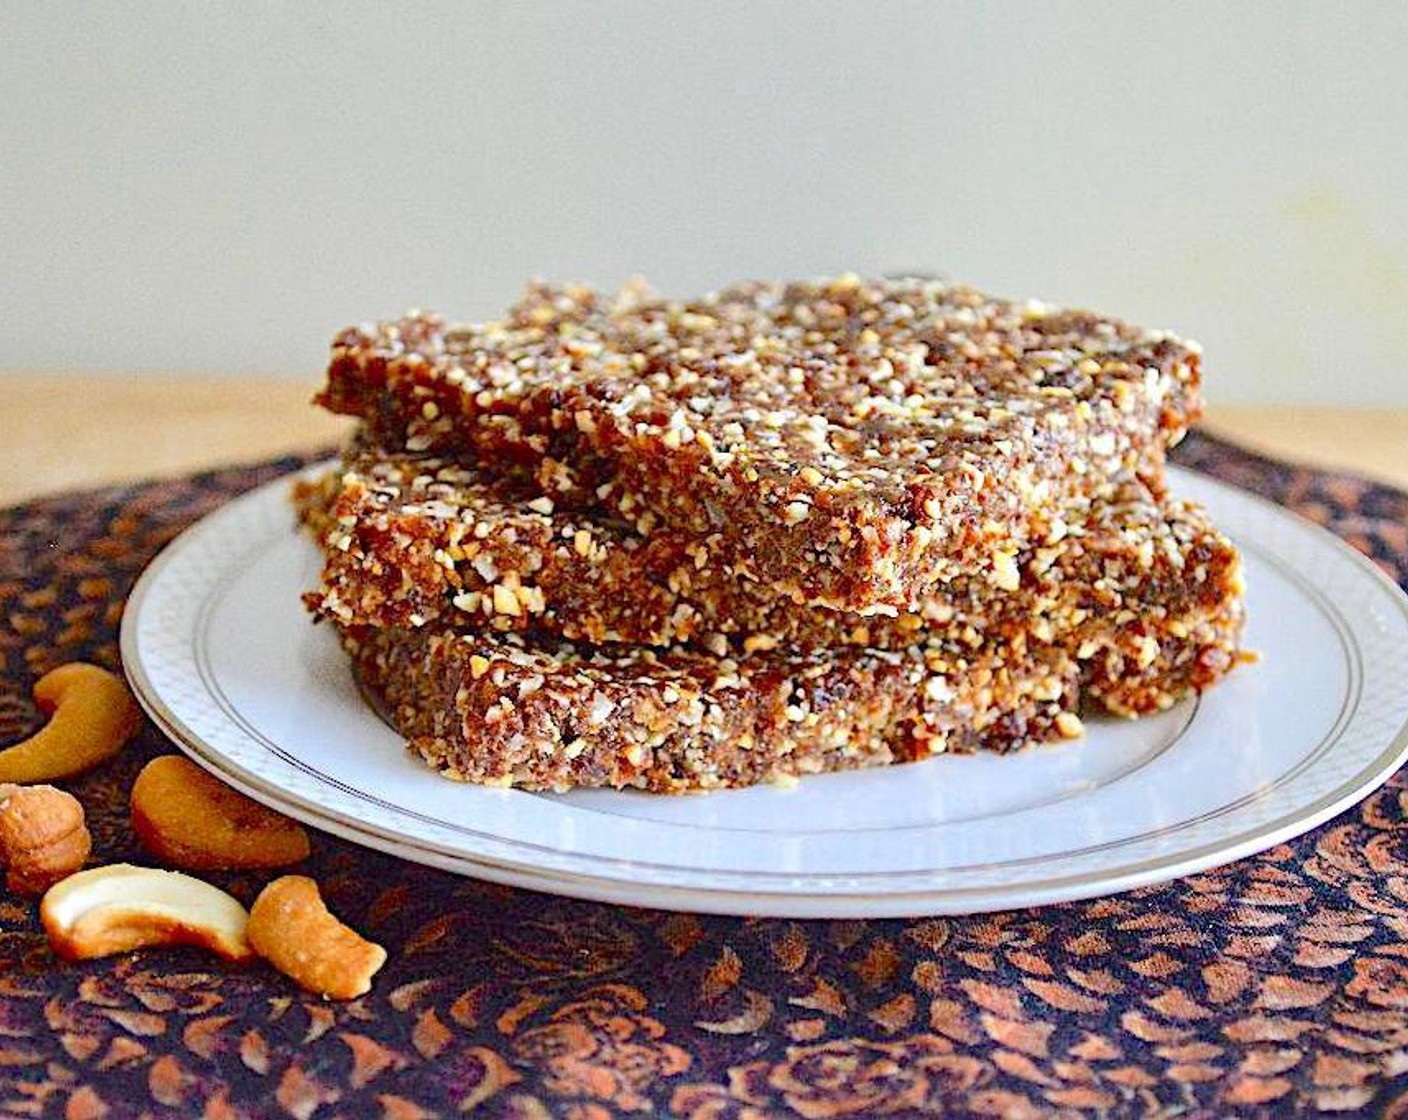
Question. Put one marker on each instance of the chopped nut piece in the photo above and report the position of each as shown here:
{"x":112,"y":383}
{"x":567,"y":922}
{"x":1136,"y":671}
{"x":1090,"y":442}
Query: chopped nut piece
{"x":1005,"y":573}
{"x":505,"y":601}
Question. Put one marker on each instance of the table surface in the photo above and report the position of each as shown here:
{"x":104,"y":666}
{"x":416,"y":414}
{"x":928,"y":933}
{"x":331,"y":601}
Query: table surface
{"x":77,"y":430}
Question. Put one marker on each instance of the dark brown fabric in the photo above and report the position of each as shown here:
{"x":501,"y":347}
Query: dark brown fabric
{"x":1276,"y":985}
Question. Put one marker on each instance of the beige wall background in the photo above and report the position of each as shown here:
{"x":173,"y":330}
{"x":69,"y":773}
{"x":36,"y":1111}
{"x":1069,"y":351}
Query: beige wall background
{"x":219,"y":186}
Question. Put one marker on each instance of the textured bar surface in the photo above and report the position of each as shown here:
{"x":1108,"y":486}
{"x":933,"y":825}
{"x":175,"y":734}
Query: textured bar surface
{"x":1146,"y":593}
{"x":854,"y":442}
{"x":496,"y":710}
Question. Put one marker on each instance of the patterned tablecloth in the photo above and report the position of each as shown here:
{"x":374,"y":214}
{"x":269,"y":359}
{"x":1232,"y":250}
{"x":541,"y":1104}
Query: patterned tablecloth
{"x":1275,"y":985}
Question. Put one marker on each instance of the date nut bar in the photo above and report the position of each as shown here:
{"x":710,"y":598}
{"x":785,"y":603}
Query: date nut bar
{"x":852,"y":442}
{"x":505,"y":710}
{"x":1146,"y":594}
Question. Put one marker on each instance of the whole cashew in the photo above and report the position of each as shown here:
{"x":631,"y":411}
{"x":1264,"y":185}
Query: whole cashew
{"x":92,"y":717}
{"x":119,"y":907}
{"x":189,"y":819}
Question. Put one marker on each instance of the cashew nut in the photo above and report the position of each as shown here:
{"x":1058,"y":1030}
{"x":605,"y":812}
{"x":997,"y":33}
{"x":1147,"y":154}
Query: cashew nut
{"x":120,"y":907}
{"x":43,"y":837}
{"x":291,"y":928}
{"x":187,"y":818}
{"x":93,"y":716}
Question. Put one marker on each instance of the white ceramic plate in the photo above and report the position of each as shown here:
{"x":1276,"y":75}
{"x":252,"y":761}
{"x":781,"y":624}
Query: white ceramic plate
{"x":224,"y":658}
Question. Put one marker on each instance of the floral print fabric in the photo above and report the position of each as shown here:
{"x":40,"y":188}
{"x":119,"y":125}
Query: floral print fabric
{"x":1276,"y":985}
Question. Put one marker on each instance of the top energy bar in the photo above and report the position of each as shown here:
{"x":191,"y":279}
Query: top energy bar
{"x":853,"y":443}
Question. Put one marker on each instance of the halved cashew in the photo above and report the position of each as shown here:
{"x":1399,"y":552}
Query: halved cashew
{"x":92,"y":717}
{"x":291,"y":928}
{"x":43,"y":837}
{"x":120,"y":907}
{"x":190,"y":819}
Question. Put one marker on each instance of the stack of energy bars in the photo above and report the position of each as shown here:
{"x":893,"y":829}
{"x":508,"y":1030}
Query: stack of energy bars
{"x":782,"y":529}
